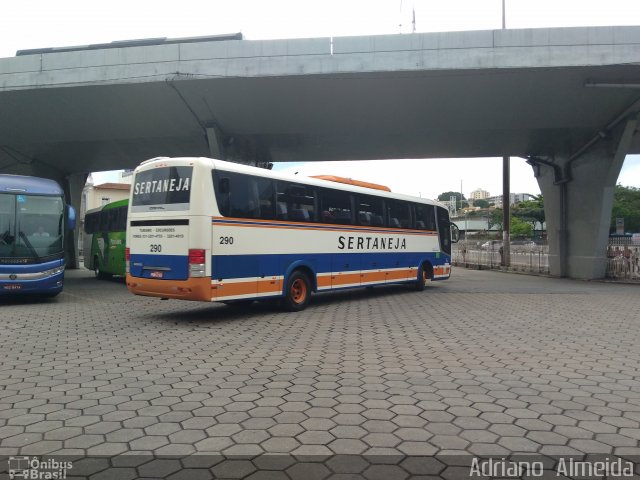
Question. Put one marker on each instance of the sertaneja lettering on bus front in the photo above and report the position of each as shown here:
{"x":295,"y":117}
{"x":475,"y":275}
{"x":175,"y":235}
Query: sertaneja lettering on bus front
{"x":161,"y":186}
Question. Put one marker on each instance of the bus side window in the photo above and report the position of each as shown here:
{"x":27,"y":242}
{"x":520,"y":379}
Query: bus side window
{"x":336,"y":206}
{"x":266,"y":191}
{"x":104,"y":221}
{"x":370,"y":210}
{"x":222,"y":188}
{"x":296,"y":201}
{"x":122,"y":219}
{"x":425,"y":217}
{"x":281,"y":211}
{"x":399,"y":215}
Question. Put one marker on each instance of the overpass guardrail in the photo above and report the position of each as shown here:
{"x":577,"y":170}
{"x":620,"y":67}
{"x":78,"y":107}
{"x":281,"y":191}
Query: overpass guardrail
{"x":623,"y":260}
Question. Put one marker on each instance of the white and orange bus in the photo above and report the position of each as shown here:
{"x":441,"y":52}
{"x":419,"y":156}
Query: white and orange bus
{"x":203,"y":229}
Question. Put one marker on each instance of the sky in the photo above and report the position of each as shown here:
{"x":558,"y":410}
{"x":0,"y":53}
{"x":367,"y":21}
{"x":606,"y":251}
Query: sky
{"x":26,"y":24}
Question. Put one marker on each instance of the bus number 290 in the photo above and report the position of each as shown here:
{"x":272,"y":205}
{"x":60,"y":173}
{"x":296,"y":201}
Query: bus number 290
{"x":155,"y":248}
{"x":226,"y":240}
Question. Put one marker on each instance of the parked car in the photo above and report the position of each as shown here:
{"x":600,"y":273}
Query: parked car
{"x":491,"y":245}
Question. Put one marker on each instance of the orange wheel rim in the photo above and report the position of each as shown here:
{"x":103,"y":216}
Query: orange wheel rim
{"x":298,"y":291}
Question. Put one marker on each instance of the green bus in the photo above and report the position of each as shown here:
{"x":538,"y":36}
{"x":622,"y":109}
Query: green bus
{"x":104,"y":239}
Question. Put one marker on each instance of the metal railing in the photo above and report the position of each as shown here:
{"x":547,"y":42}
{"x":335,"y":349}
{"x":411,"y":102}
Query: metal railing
{"x":525,"y":257}
{"x":623,"y":259}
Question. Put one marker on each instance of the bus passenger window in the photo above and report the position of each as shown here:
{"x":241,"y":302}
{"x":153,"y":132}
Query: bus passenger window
{"x":370,"y":210}
{"x":399,"y":215}
{"x":296,"y":201}
{"x":244,"y":196}
{"x":336,"y":206}
{"x":425,"y":217}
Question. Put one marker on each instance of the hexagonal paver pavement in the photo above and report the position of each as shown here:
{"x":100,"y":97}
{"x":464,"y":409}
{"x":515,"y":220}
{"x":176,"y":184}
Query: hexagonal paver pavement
{"x":382,"y":383}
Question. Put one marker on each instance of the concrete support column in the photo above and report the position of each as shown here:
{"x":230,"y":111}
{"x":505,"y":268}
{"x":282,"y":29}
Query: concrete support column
{"x":73,"y":185}
{"x":237,"y":149}
{"x":215,"y":140}
{"x":578,"y":197}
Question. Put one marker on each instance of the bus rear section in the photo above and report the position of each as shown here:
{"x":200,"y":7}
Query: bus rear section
{"x":166,"y":240}
{"x":105,"y":238}
{"x":32,"y":229}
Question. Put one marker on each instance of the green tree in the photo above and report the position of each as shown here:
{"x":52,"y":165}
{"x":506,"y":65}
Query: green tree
{"x":460,"y":200}
{"x":626,"y":204}
{"x":495,"y":218}
{"x":481,"y":203}
{"x":520,"y":228}
{"x":531,"y":211}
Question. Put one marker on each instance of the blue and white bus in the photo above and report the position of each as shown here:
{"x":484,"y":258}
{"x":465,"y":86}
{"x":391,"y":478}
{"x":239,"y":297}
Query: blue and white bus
{"x":33,"y":218}
{"x":203,"y":229}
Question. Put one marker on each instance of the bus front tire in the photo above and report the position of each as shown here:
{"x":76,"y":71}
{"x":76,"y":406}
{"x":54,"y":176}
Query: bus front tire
{"x":298,"y":292}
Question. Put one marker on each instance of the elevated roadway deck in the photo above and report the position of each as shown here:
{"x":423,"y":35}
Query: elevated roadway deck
{"x":568,"y":98}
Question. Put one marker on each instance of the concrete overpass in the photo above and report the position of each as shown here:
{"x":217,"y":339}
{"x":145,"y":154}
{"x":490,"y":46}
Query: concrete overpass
{"x":567,"y":99}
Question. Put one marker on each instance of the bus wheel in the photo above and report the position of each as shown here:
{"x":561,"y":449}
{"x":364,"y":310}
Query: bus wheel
{"x":298,"y":292}
{"x":98,"y":272}
{"x":424,"y":274}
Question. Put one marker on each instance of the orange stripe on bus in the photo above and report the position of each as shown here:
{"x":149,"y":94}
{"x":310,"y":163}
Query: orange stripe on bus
{"x":397,"y":275}
{"x":345,"y":278}
{"x":373,"y":276}
{"x":315,"y":226}
{"x":270,"y":286}
{"x":231,"y":289}
{"x":249,"y":287}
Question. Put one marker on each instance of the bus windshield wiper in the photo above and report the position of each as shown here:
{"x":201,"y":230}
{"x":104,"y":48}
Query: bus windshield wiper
{"x":28,"y":244}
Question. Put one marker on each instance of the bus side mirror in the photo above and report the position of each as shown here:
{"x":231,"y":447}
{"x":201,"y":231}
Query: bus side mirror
{"x":224,"y":185}
{"x":71,"y":218}
{"x":455,"y":233}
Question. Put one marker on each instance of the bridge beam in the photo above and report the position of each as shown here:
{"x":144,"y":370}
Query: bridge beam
{"x":578,"y":197}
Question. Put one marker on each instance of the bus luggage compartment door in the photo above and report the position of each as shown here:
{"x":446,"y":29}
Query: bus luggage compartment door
{"x":159,"y":249}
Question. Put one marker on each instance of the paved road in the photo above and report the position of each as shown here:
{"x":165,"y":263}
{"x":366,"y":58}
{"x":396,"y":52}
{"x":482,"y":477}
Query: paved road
{"x":487,"y":363}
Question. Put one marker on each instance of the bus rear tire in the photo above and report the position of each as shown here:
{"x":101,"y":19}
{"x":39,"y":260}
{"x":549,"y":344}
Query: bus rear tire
{"x":424,"y":275}
{"x":298,"y":292}
{"x":98,"y":272}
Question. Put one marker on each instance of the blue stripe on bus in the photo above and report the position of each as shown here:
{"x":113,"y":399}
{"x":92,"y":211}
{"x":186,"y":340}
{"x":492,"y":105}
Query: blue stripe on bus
{"x":173,"y":267}
{"x":239,"y":266}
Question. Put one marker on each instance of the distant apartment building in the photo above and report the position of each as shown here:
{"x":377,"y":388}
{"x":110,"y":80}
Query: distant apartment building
{"x":513,"y":199}
{"x":479,"y":194}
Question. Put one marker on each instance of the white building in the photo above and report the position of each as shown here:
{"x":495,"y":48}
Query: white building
{"x":513,"y":199}
{"x":479,"y":194}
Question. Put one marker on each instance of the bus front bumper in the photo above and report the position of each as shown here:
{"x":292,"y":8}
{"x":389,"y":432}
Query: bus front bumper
{"x":46,"y":283}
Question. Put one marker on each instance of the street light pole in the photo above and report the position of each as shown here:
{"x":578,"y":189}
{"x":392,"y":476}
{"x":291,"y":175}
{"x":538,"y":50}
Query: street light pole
{"x":504,"y":17}
{"x":506,"y":199}
{"x":506,"y":190}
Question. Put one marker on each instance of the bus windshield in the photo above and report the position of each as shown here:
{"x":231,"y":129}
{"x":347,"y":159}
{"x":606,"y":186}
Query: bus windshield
{"x":31,"y":226}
